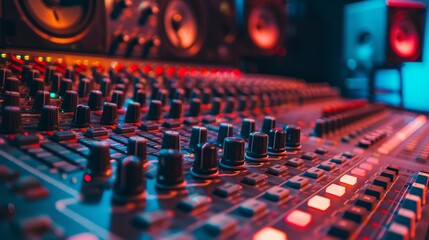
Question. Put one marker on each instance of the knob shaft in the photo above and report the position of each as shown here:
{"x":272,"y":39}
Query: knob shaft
{"x":49,"y":118}
{"x":133,"y":114}
{"x":82,"y":116}
{"x":170,"y":169}
{"x":55,"y":81}
{"x":4,"y":74}
{"x":49,"y":73}
{"x":171,"y":140}
{"x":99,"y":165}
{"x":130,"y":184}
{"x":110,"y":114}
{"x":205,"y":164}
{"x":105,"y":87}
{"x":277,"y":142}
{"x":137,"y":146}
{"x":319,"y":128}
{"x":198,"y":135}
{"x":95,"y":101}
{"x":65,"y":85}
{"x":257,"y":148}
{"x":225,"y":130}
{"x":216,"y":105}
{"x":233,"y":153}
{"x":11,"y":121}
{"x":230,"y":105}
{"x":293,"y":137}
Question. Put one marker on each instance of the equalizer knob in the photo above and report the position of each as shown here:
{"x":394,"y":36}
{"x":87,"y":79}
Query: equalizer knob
{"x":230,"y":105}
{"x":65,"y":84}
{"x":155,"y":110}
{"x":70,"y":100}
{"x":130,"y":184}
{"x":99,"y":165}
{"x":162,"y":96}
{"x":205,"y":163}
{"x":268,"y":124}
{"x":319,"y":128}
{"x":194,"y":107}
{"x":4,"y":74}
{"x":29,"y":74}
{"x":82,"y":116}
{"x":118,"y":98}
{"x":49,"y":118}
{"x":257,"y":148}
{"x":171,"y":140}
{"x":84,"y":87}
{"x":42,"y":98}
{"x":293,"y":137}
{"x":206,"y":96}
{"x":170,"y":169}
{"x":133,"y":113}
{"x":55,"y":82}
{"x":242,"y":103}
{"x":277,"y":142}
{"x":11,"y":84}
{"x":198,"y":135}
{"x":233,"y":153}
{"x":216,"y":105}
{"x":11,"y":121}
{"x":11,"y":99}
{"x":49,"y":73}
{"x":36,"y":84}
{"x":95,"y":101}
{"x":137,"y":146}
{"x":247,"y":127}
{"x":175,"y":111}
{"x":140,"y":97}
{"x":110,"y":114}
{"x":105,"y":87}
{"x":225,"y":130}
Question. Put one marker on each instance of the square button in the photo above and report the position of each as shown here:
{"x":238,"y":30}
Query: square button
{"x":269,"y":233}
{"x":366,"y":166}
{"x":299,"y":218}
{"x":336,"y":190}
{"x":349,"y":180}
{"x":358,"y":172}
{"x":314,"y":173}
{"x":319,"y":202}
{"x":297,"y":182}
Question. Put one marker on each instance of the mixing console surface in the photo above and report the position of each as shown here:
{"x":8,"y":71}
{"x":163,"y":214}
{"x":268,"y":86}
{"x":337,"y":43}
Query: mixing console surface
{"x":132,"y":152}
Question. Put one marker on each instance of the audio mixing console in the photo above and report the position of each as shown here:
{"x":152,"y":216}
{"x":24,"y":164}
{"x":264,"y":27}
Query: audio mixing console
{"x":126,"y":151}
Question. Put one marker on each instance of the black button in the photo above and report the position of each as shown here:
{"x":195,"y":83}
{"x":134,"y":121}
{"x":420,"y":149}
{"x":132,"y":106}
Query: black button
{"x":383,"y":182}
{"x":375,"y":191}
{"x":366,"y":201}
{"x":355,"y":214}
{"x":342,"y":229}
{"x":389,"y":174}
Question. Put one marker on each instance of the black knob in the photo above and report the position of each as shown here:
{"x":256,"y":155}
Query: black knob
{"x":162,"y":96}
{"x":110,"y":114}
{"x":95,"y":101}
{"x":154,"y":92}
{"x":179,"y":94}
{"x":11,"y":84}
{"x":247,"y":127}
{"x":198,"y":135}
{"x":175,"y":111}
{"x":225,"y":130}
{"x":42,"y":98}
{"x":255,"y":102}
{"x":11,"y":121}
{"x":170,"y":169}
{"x":137,"y":146}
{"x":84,"y":87}
{"x":233,"y":153}
{"x":49,"y":73}
{"x":277,"y":142}
{"x":118,"y":7}
{"x":196,"y":93}
{"x":216,"y":105}
{"x":36,"y":85}
{"x":65,"y":84}
{"x":319,"y":128}
{"x":205,"y":163}
{"x":133,"y":114}
{"x":171,"y":140}
{"x":242,"y":103}
{"x":268,"y":124}
{"x":49,"y":118}
{"x":99,"y":165}
{"x":230,"y":105}
{"x":82,"y":116}
{"x":140,"y":97}
{"x":130,"y":182}
{"x":4,"y":74}
{"x":105,"y":87}
{"x":55,"y":82}
{"x":29,"y":74}
{"x":155,"y":110}
{"x":257,"y":148}
{"x":194,"y":107}
{"x":206,"y":96}
{"x":293,"y":137}
{"x":70,"y":74}
{"x":219,"y":92}
{"x":11,"y":99}
{"x":70,"y":100}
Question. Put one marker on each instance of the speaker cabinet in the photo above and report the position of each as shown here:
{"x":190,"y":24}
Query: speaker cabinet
{"x":54,"y":25}
{"x":384,"y":32}
{"x":202,"y":30}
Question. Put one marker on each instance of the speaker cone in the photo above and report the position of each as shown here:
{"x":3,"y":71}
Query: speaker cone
{"x":404,"y":38}
{"x":264,"y":28}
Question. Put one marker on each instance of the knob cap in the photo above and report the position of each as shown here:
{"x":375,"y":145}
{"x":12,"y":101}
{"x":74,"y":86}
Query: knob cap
{"x":99,"y":165}
{"x":137,"y":146}
{"x":11,"y":121}
{"x":105,"y":87}
{"x":11,"y":84}
{"x":225,"y":130}
{"x":205,"y":163}
{"x":206,"y":96}
{"x":162,"y":96}
{"x":319,"y":128}
{"x":216,"y":105}
{"x":29,"y":74}
{"x":49,"y":118}
{"x":277,"y":142}
{"x":154,"y":92}
{"x":65,"y":85}
{"x":55,"y":82}
{"x":257,"y":148}
{"x":36,"y":85}
{"x":198,"y":135}
{"x":155,"y":110}
{"x":4,"y":74}
{"x":70,"y":99}
{"x":82,"y":116}
{"x":140,"y":97}
{"x":133,"y":114}
{"x":95,"y":101}
{"x":233,"y":153}
{"x":130,"y":184}
{"x":11,"y":99}
{"x":268,"y":124}
{"x":293,"y":137}
{"x":242,"y":103}
{"x":49,"y":73}
{"x":42,"y":98}
{"x":110,"y":114}
{"x":84,"y":87}
{"x":170,"y":169}
{"x":230,"y":105}
{"x":247,"y":127}
{"x":118,"y":98}
{"x":171,"y":140}
{"x":194,"y":107}
{"x":175,"y":111}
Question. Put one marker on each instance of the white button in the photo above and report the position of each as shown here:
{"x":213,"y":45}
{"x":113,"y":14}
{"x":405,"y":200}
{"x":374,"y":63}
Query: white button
{"x":269,"y":233}
{"x":336,"y":190}
{"x":358,"y":172}
{"x":407,"y":218}
{"x":319,"y":202}
{"x":366,"y":166}
{"x":373,"y":160}
{"x":397,"y":231}
{"x":349,"y":180}
{"x":299,"y":218}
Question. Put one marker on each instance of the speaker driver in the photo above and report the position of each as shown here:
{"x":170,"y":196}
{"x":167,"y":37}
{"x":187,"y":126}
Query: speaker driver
{"x":404,"y":38}
{"x":263,"y":28}
{"x":59,"y":21}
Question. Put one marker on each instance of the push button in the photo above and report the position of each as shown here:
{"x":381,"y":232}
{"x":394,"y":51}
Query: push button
{"x":366,"y":201}
{"x":299,"y":218}
{"x":295,"y":162}
{"x":297,"y":182}
{"x":277,"y":169}
{"x":419,"y":190}
{"x":339,"y":159}
{"x":277,"y":194}
{"x":383,"y":182}
{"x":375,"y":191}
{"x":336,"y":190}
{"x":349,"y":180}
{"x":407,"y":218}
{"x":319,"y":203}
{"x":390,"y":174}
{"x":423,"y":178}
{"x":227,"y":189}
{"x":327,"y":166}
{"x":150,"y":219}
{"x":309,"y":156}
{"x":269,"y":233}
{"x":314,"y":173}
{"x":252,"y":207}
{"x":356,"y":214}
{"x":413,"y":203}
{"x":397,"y":231}
{"x":254,"y":178}
{"x":194,"y":203}
{"x":342,"y":229}
{"x":221,"y":225}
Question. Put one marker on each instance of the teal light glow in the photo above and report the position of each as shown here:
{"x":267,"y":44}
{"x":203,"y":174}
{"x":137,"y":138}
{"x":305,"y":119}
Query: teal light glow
{"x":53,"y":95}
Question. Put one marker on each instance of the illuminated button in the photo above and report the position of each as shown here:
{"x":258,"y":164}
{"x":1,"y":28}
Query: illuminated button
{"x":336,"y":190}
{"x":269,"y":233}
{"x":419,"y":190}
{"x":373,"y":160}
{"x":423,"y":178}
{"x":349,"y":180}
{"x":358,"y":172}
{"x":366,"y":166}
{"x":407,"y":218}
{"x":319,"y":202}
{"x":413,"y":203}
{"x":299,"y":218}
{"x":397,"y":231}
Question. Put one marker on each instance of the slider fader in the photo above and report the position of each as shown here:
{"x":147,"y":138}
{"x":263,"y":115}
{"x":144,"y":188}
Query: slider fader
{"x":104,"y":149}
